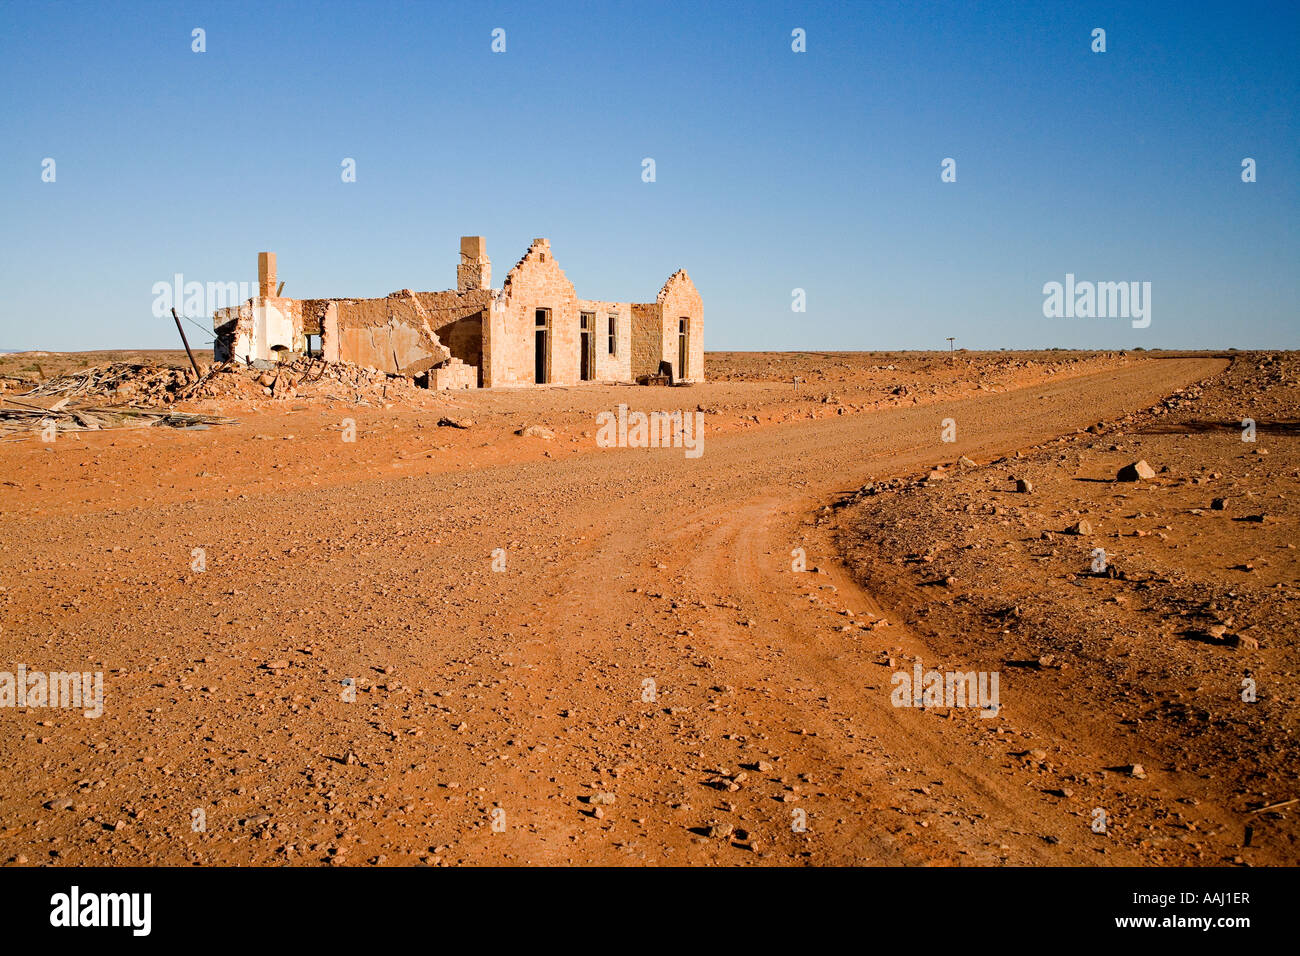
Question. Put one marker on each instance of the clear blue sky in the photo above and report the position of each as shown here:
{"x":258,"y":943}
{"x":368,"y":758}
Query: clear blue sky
{"x":775,"y":169}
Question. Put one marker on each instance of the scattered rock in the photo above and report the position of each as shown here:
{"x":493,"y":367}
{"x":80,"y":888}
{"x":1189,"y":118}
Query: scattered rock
{"x":536,"y":431}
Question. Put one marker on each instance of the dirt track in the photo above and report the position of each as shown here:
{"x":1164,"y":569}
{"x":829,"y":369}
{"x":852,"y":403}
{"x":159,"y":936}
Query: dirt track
{"x":520,"y":690}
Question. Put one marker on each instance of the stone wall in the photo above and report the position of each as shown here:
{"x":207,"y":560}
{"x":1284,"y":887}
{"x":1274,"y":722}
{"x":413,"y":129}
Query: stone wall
{"x":475,"y":269}
{"x":655,"y":330}
{"x":677,"y":300}
{"x":453,"y":375}
{"x":234,"y":328}
{"x":510,"y":333}
{"x":647,"y":338}
{"x":257,"y":328}
{"x":536,"y":282}
{"x":618,"y":366}
{"x":393,"y":334}
{"x":457,"y":319}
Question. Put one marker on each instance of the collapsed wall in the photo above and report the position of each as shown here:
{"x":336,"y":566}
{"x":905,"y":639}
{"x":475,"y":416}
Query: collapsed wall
{"x":393,"y":334}
{"x":397,"y":334}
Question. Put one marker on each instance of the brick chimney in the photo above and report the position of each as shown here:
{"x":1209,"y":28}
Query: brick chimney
{"x":266,"y":274}
{"x":475,"y":269}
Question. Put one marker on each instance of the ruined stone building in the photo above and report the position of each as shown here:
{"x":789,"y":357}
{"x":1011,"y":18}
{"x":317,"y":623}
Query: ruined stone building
{"x":534,"y":330}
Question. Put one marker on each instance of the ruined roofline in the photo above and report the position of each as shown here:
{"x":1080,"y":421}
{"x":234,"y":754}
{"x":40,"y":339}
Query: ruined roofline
{"x":542,"y":246}
{"x":318,"y":300}
{"x":536,"y":249}
{"x":677,"y":277}
{"x":395,"y":294}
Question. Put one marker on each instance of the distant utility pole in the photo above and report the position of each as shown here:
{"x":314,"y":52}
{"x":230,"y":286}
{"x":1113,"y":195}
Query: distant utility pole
{"x":950,"y":349}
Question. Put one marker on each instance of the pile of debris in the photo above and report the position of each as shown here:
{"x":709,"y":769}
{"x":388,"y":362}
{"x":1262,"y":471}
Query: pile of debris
{"x":20,"y":420}
{"x":148,"y":386}
{"x":300,"y":378}
{"x":102,"y":397}
{"x":120,"y":381}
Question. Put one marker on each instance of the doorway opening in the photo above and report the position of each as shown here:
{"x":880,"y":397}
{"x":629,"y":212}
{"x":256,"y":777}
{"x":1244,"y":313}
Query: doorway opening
{"x":541,"y":345}
{"x":683,"y":347}
{"x":586,"y":332}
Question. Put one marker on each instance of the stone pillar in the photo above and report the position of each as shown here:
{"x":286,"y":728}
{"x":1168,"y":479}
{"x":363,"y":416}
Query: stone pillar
{"x":475,"y":269}
{"x":266,"y":274}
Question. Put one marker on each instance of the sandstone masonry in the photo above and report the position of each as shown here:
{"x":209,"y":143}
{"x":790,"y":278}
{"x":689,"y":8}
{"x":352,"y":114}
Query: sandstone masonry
{"x":534,"y":330}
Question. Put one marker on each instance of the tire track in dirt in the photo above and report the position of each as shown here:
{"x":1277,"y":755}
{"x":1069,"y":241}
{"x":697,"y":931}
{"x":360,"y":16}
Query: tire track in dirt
{"x":733,"y":555}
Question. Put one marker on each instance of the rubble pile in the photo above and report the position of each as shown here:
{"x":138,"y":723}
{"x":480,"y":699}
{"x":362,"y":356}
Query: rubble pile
{"x":119,"y":382}
{"x":301,"y":378}
{"x":152,"y":385}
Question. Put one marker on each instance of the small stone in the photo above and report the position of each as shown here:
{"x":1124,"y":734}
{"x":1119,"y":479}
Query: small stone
{"x":1024,"y":486}
{"x":1243,"y":642}
{"x":1219,"y":504}
{"x":1080,"y":527}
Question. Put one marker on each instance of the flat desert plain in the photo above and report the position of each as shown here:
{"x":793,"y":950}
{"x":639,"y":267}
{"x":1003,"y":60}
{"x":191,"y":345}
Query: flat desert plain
{"x":445,"y":642}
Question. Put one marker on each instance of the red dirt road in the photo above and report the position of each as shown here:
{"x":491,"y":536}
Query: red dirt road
{"x":492,"y":705}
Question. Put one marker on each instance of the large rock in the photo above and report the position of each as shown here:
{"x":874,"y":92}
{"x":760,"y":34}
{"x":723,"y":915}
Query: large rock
{"x":1138,"y":471}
